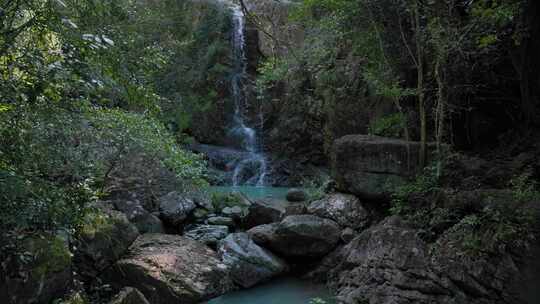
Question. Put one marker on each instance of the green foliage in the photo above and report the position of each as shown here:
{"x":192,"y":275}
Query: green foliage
{"x":421,"y":185}
{"x":58,"y":160}
{"x":525,"y":188}
{"x":229,"y":199}
{"x":388,"y":126}
{"x":496,"y":229}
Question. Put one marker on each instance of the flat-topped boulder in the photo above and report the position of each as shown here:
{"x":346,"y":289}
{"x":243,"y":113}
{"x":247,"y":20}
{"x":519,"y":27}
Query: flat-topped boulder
{"x":369,"y":166}
{"x":304,"y":236}
{"x":171,"y":269}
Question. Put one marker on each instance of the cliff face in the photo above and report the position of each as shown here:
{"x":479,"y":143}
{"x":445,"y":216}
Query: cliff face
{"x":305,"y":113}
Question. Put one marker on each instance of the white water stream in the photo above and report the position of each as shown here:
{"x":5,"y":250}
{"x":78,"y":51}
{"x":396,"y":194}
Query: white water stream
{"x":251,"y":169}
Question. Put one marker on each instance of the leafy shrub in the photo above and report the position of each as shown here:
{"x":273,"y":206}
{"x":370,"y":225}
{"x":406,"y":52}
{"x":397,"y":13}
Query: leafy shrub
{"x":54,"y":160}
{"x":388,"y":126}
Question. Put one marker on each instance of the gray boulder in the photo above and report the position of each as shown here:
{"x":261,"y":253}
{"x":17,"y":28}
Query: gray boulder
{"x":296,"y":195}
{"x":207,"y":234}
{"x":264,"y":212}
{"x":263,"y":234}
{"x":306,"y":236}
{"x":345,"y":209}
{"x":171,"y":269}
{"x":175,"y":208}
{"x":249,"y":264}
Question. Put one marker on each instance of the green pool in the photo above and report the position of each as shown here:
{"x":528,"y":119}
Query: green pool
{"x":279,"y":291}
{"x":253,"y":192}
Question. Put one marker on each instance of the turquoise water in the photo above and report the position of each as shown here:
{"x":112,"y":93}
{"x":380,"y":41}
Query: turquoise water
{"x":253,"y":192}
{"x":279,"y":291}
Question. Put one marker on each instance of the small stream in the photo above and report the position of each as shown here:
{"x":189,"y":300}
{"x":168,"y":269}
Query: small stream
{"x":279,"y":291}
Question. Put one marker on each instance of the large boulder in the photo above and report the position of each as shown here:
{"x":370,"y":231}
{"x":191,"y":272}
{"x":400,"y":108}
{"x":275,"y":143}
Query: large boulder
{"x":369,"y":166}
{"x":264,"y":212}
{"x":305,"y":236}
{"x":207,"y":234}
{"x":249,"y":263}
{"x":171,"y":269}
{"x":388,"y":264}
{"x":39,"y":272}
{"x":345,"y":209}
{"x":175,"y":208}
{"x":140,"y":217}
{"x":104,"y":237}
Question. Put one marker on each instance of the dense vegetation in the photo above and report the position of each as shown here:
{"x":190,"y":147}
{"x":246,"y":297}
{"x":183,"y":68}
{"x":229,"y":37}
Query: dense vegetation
{"x":95,"y":99}
{"x":450,"y":71}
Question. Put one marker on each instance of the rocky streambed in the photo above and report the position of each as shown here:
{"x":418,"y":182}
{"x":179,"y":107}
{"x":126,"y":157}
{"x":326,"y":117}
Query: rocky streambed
{"x":191,"y":248}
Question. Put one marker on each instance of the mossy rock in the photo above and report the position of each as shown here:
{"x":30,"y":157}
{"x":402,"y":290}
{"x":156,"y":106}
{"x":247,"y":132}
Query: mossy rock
{"x":102,"y":240}
{"x":38,"y":271}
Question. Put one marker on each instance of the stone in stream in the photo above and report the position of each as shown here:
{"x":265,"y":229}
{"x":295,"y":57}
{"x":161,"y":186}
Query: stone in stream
{"x":171,"y":269}
{"x":175,"y":208}
{"x":207,"y":234}
{"x":296,"y":195}
{"x":249,"y":263}
{"x":221,"y":220}
{"x":235,"y":212}
{"x":304,"y":236}
{"x":344,"y":209}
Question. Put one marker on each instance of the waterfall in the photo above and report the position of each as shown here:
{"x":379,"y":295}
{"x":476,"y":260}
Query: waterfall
{"x":252,"y":168}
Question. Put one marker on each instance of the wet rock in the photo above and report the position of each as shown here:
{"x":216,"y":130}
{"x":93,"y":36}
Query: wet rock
{"x":129,"y":295}
{"x":296,"y":195}
{"x":175,"y":208}
{"x":207,"y":234}
{"x":305,"y":236}
{"x":345,"y":209}
{"x":171,"y":269}
{"x":249,"y":263}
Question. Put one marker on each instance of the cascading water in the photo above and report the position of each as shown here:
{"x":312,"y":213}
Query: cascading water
{"x":251,"y":169}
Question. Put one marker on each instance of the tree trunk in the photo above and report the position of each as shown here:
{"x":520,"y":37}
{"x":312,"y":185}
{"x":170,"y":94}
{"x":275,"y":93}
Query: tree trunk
{"x":420,"y":84}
